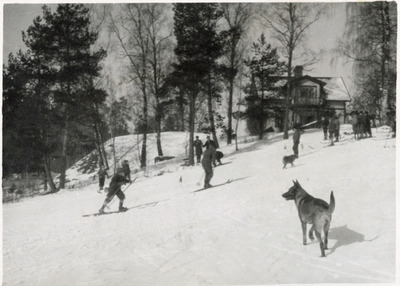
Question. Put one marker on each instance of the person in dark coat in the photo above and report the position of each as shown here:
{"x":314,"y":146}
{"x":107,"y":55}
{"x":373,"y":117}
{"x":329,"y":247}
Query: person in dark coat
{"x":296,"y":140}
{"x":207,"y":163}
{"x":102,"y":177}
{"x":198,"y":145}
{"x":354,"y":123}
{"x":337,"y":130}
{"x":325,"y":124}
{"x":114,"y":189}
{"x":368,"y":124}
{"x":126,"y":169}
{"x":332,"y":129}
{"x":361,"y":125}
{"x":208,"y":142}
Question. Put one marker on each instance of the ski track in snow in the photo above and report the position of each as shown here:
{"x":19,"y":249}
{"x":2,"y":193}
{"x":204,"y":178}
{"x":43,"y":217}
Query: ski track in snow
{"x":241,"y":233}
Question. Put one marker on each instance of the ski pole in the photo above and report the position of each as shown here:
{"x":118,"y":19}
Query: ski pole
{"x":201,"y":178}
{"x":113,"y":196}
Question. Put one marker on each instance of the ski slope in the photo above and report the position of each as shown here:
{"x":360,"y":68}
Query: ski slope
{"x":241,"y":233}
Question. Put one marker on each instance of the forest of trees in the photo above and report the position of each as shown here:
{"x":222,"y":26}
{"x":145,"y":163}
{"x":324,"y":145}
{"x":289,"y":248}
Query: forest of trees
{"x":90,"y":73}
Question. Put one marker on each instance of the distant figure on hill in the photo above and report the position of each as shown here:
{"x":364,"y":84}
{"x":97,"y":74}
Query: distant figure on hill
{"x":337,"y":126}
{"x":325,"y":124}
{"x":114,"y":189}
{"x":207,"y":163}
{"x":198,"y":145}
{"x":368,"y":124}
{"x":354,"y":123}
{"x":296,"y":140}
{"x":332,"y":129}
{"x":126,"y":169}
{"x":361,"y":125}
{"x":208,"y":142}
{"x":102,"y":177}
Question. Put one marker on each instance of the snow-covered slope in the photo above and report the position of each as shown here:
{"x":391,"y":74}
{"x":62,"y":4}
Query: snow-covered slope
{"x":242,"y":233}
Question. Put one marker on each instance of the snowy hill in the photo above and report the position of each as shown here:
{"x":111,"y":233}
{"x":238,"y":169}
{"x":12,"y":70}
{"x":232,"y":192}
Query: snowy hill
{"x":242,"y":233}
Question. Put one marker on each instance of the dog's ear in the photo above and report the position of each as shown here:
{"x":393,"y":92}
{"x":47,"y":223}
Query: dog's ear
{"x":297,"y":183}
{"x":294,"y":183}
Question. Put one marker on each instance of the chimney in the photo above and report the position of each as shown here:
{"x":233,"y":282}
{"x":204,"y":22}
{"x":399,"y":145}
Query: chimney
{"x":298,"y":71}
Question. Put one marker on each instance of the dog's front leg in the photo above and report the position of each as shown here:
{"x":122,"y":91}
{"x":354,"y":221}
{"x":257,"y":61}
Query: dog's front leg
{"x":304,"y":227}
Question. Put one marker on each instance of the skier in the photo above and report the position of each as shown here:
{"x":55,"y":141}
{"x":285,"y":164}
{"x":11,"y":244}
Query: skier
{"x":199,"y":148}
{"x":296,"y":140}
{"x":115,"y":189}
{"x":126,"y":169}
{"x":207,"y":162}
{"x":102,"y":177}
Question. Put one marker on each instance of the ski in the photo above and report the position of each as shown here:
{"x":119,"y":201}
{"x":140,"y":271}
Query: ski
{"x":202,"y":189}
{"x":104,"y":213}
{"x":223,"y":164}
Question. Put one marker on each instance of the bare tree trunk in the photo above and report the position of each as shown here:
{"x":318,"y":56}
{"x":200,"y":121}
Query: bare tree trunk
{"x":159,"y":146}
{"x":211,"y":113}
{"x":98,"y":145}
{"x":192,"y":111}
{"x":48,"y":176}
{"x":65,"y":134}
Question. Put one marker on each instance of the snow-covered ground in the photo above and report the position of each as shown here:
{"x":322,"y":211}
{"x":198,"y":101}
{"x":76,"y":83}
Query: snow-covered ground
{"x":242,"y":233}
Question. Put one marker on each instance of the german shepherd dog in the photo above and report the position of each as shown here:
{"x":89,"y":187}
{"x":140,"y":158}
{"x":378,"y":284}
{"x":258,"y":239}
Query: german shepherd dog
{"x":288,"y":160}
{"x":313,"y":211}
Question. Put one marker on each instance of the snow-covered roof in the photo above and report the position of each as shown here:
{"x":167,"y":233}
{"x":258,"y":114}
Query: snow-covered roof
{"x":335,"y":88}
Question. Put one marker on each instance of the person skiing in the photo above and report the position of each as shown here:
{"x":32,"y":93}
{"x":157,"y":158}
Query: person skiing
{"x":296,"y":140}
{"x":114,"y":189}
{"x":102,"y":177}
{"x":207,"y":163}
{"x":198,"y":145}
{"x":126,"y":169}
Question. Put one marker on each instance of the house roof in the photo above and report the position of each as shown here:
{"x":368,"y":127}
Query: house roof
{"x":335,"y":88}
{"x":310,"y":78}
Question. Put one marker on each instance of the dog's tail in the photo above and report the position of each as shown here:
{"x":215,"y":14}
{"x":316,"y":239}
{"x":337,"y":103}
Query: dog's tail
{"x":331,"y":204}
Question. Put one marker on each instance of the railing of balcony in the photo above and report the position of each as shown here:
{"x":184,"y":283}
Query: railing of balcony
{"x":308,"y":101}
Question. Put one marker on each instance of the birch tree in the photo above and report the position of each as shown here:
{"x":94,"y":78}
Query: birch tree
{"x":289,"y":23}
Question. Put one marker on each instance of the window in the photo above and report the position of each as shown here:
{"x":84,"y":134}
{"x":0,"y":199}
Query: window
{"x":308,"y":92}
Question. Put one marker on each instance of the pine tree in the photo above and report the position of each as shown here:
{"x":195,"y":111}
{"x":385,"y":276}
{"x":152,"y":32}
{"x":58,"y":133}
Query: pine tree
{"x":265,"y":69}
{"x":196,"y":52}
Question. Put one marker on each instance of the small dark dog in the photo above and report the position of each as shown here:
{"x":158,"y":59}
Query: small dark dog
{"x":162,"y":158}
{"x":288,"y":160}
{"x":312,"y":211}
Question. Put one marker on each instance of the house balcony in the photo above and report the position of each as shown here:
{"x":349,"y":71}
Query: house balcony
{"x":306,"y":101}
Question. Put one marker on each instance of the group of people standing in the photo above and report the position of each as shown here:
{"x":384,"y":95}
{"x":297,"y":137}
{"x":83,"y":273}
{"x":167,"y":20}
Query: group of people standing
{"x":361,"y":123}
{"x":332,"y":126}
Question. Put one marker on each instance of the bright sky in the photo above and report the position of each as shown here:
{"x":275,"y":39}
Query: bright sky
{"x":323,"y":35}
